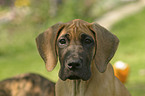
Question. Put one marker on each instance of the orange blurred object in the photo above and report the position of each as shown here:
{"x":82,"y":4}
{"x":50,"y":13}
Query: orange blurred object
{"x":121,"y":71}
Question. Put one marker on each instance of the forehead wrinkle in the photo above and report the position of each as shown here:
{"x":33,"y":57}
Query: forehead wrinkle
{"x":76,"y":27}
{"x":72,"y":28}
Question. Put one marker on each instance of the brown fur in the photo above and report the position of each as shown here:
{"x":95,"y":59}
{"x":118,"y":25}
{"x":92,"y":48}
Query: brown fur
{"x":27,"y":85}
{"x":85,"y":68}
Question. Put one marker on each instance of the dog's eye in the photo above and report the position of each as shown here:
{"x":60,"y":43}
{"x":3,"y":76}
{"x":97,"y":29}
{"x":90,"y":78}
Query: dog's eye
{"x":62,"y":41}
{"x":88,"y":41}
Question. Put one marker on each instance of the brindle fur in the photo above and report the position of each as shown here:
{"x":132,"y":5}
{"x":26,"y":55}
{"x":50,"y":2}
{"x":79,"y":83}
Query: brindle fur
{"x":27,"y":85}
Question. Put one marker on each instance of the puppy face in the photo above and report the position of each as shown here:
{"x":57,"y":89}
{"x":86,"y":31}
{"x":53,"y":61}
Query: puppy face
{"x":75,"y":45}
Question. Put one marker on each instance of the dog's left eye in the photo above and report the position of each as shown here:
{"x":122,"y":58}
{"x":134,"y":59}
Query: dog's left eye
{"x":88,"y":41}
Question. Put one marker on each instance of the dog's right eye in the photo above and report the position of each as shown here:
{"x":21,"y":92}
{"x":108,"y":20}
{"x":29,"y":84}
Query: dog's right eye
{"x":62,"y":41}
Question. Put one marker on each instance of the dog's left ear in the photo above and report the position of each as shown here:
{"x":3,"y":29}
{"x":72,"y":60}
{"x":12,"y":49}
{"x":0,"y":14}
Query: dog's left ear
{"x":46,"y":44}
{"x":106,"y":45}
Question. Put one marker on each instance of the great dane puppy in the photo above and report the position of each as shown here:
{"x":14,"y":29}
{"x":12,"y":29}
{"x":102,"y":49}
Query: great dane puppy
{"x":84,"y":51}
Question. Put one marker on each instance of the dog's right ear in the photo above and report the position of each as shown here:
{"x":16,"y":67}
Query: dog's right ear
{"x":46,"y":44}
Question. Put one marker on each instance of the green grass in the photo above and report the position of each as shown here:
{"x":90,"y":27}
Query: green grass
{"x":18,"y":53}
{"x":131,"y":50}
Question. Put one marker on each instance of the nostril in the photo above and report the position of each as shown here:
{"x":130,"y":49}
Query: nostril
{"x":70,"y":65}
{"x":74,"y":65}
{"x":77,"y":65}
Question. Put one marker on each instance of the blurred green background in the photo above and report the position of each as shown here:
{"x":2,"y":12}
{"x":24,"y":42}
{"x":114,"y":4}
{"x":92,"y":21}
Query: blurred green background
{"x":22,"y":20}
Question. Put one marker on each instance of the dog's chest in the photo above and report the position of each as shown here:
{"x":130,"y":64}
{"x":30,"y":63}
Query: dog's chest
{"x":71,"y":88}
{"x":83,"y":88}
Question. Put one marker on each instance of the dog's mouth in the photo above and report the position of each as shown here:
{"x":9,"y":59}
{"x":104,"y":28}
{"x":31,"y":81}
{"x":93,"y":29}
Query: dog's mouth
{"x":73,"y":77}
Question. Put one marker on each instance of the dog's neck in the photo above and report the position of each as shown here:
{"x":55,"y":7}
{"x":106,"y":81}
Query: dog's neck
{"x":79,"y":87}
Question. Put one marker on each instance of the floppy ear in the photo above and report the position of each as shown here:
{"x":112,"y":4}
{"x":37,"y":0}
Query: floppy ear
{"x":46,"y":44}
{"x":106,"y":45}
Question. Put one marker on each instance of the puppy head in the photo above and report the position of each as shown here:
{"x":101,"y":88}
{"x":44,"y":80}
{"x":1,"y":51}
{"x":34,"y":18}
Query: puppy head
{"x":76,"y":48}
{"x":77,"y":44}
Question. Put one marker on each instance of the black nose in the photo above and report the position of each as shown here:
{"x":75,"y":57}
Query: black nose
{"x":74,"y":65}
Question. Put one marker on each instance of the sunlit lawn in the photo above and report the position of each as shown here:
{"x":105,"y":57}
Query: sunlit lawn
{"x":18,"y":53}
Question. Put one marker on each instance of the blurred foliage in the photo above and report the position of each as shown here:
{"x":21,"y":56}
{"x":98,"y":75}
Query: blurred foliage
{"x":20,"y":3}
{"x":7,"y":3}
{"x":66,"y":11}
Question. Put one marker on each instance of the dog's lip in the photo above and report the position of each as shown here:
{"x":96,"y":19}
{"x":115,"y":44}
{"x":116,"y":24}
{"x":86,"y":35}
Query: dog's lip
{"x":73,"y":77}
